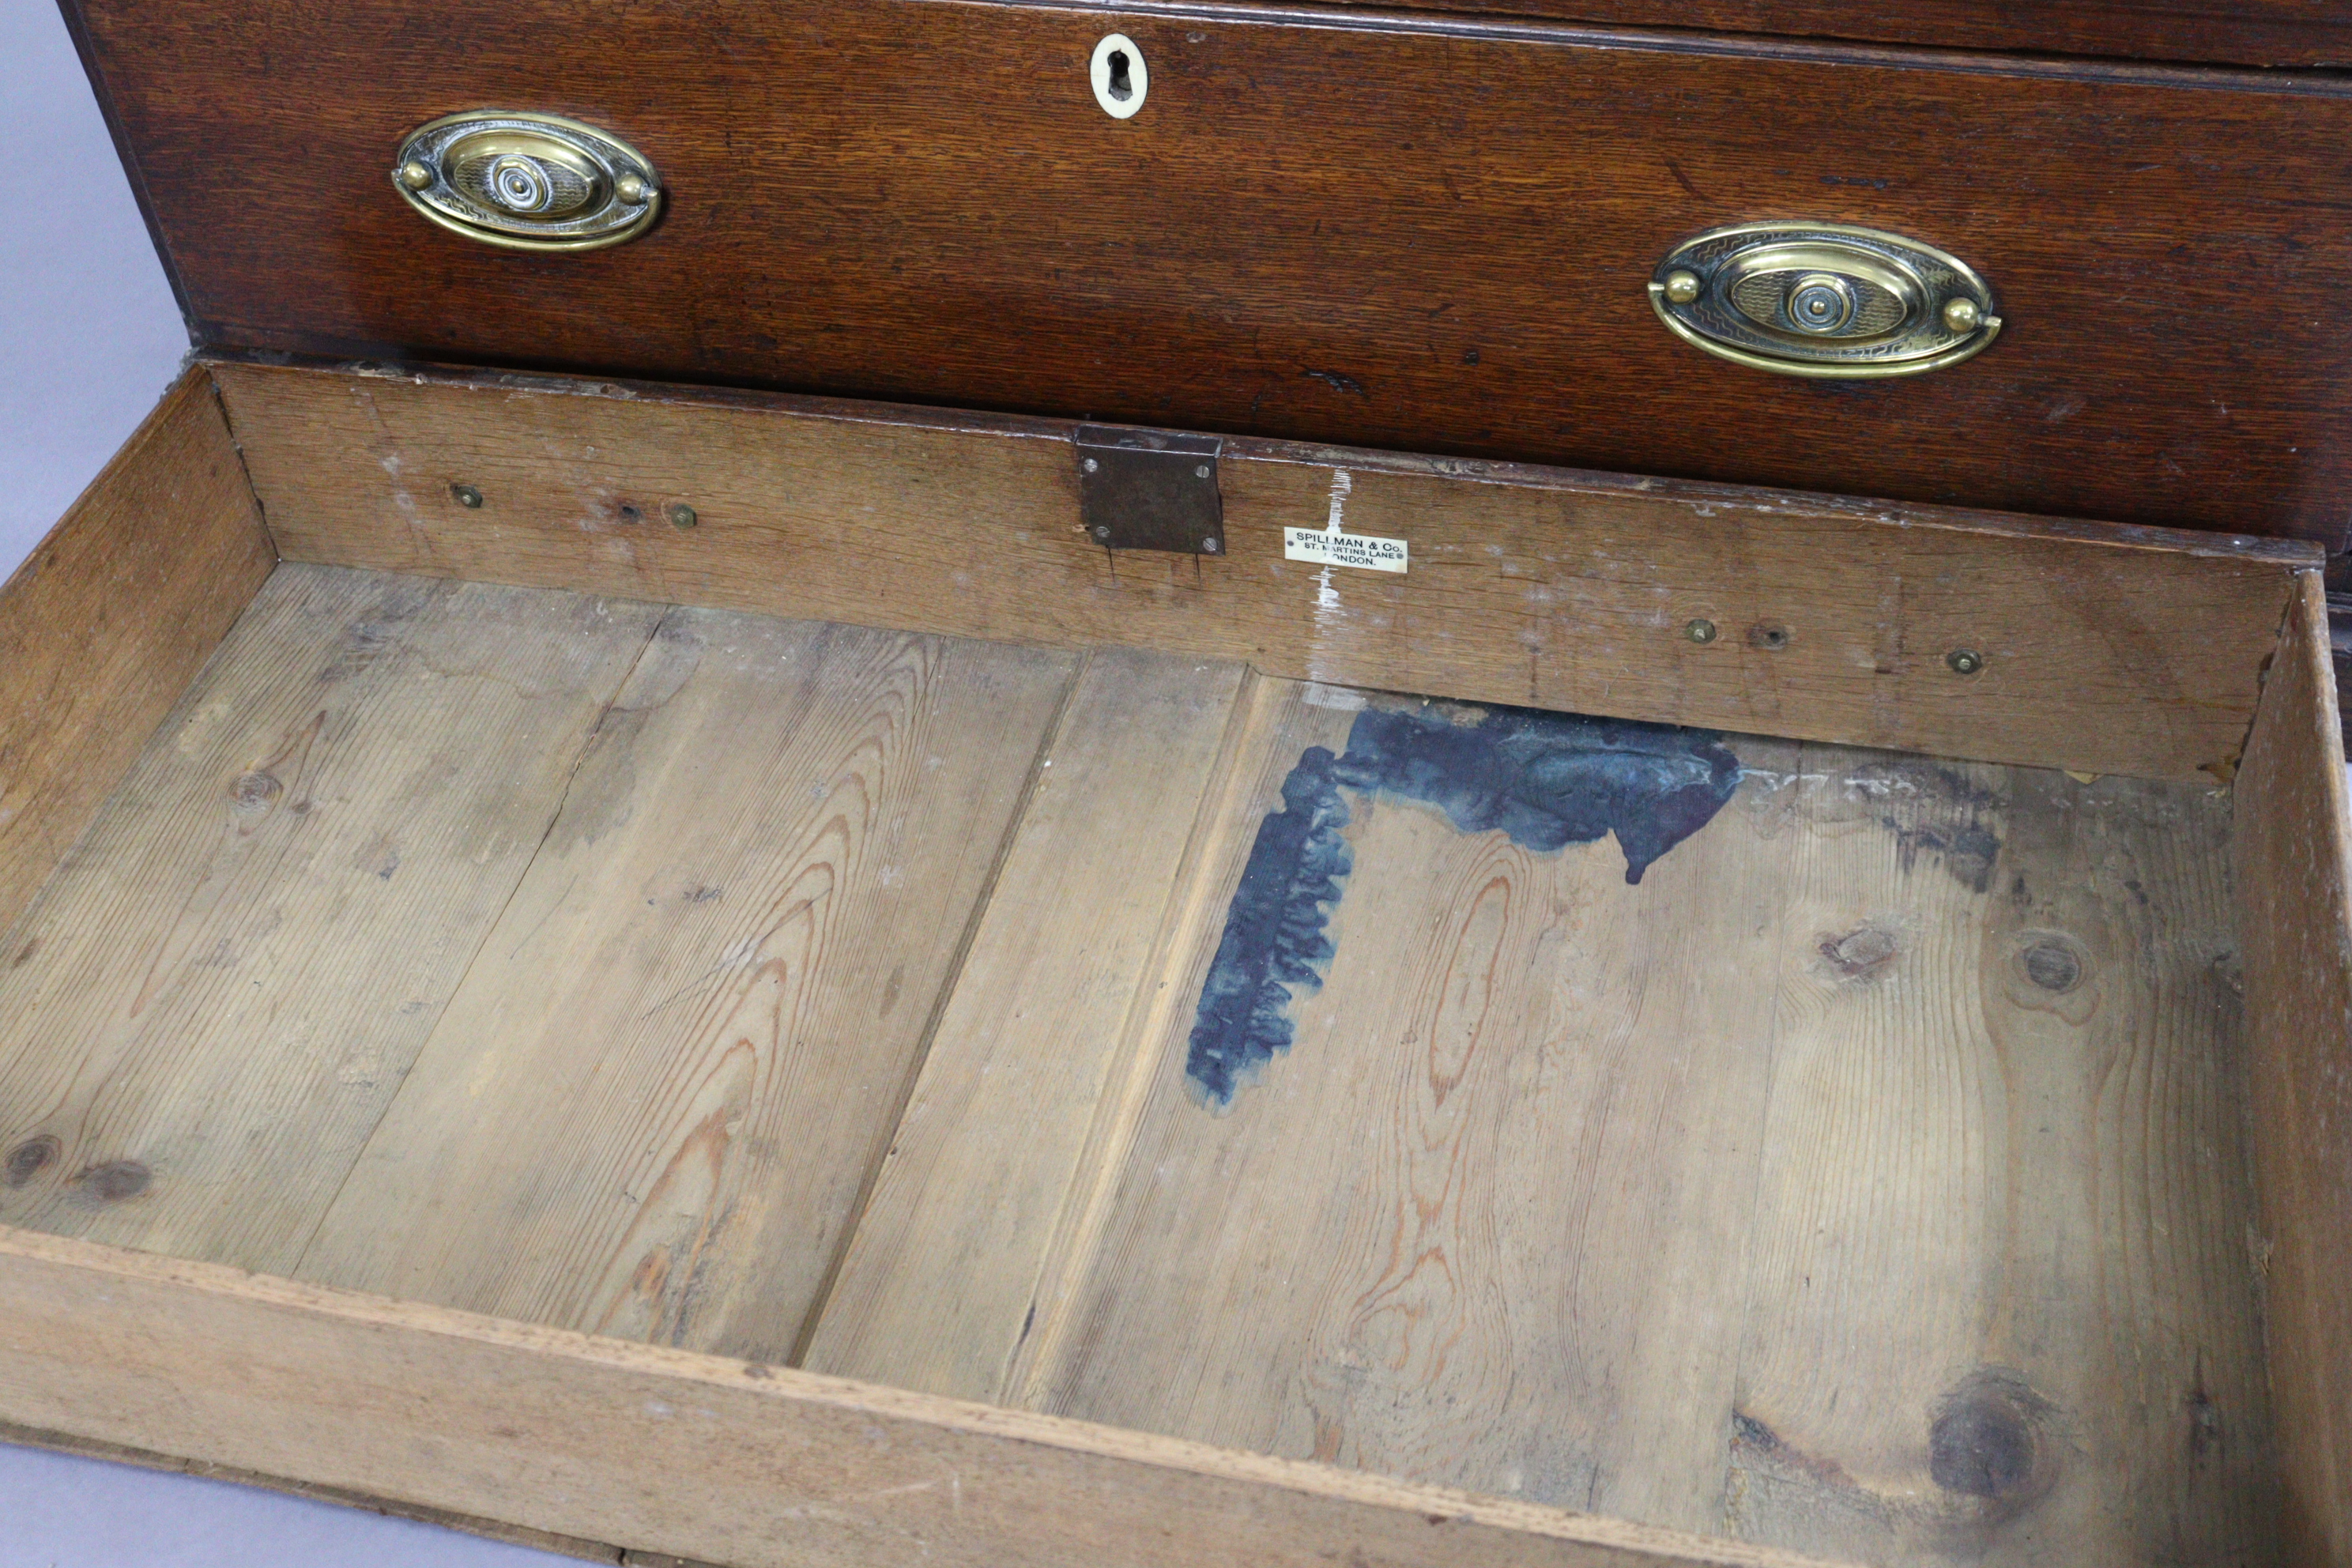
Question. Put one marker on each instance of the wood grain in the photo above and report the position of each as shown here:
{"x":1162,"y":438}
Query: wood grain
{"x":2248,"y":32}
{"x":651,"y":1108}
{"x":109,"y":618}
{"x":947,"y":1258}
{"x":724,"y":1461}
{"x":1426,"y":232}
{"x":2107,"y":650}
{"x":215,"y":997}
{"x":1870,"y":1181}
{"x":2001,"y":1308}
{"x":2294,"y":863}
{"x":1481,"y":1224}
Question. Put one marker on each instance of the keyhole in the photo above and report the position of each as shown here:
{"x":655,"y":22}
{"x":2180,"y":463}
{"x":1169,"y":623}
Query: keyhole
{"x":1119,"y":78}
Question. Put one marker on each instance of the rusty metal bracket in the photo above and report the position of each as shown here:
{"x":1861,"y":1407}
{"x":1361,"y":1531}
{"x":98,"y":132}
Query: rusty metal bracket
{"x":1149,"y":490}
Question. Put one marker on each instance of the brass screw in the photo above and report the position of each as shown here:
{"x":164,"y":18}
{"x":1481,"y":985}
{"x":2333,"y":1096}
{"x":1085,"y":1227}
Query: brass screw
{"x":467,"y":496}
{"x":682,"y":515}
{"x":1682,"y":286}
{"x":1700,"y":631}
{"x":1962,"y":315}
{"x":632,"y":189}
{"x":415,"y":174}
{"x":1964,"y":660}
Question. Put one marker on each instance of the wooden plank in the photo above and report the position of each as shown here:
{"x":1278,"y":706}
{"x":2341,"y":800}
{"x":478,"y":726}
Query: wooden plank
{"x":1481,"y":1224}
{"x":2107,"y":651}
{"x":651,"y":1110}
{"x":946,"y":1259}
{"x":107,"y":620}
{"x":726,"y":1461}
{"x":2295,"y":927}
{"x":1421,"y":231}
{"x":2002,"y":1308}
{"x":214,"y":1000}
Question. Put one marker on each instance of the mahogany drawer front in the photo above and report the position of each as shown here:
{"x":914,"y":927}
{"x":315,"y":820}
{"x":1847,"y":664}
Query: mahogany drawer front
{"x":1425,"y":233}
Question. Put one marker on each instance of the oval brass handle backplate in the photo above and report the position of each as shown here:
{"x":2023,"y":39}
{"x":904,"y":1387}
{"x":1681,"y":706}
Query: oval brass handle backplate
{"x":528,"y":182}
{"x":1824,"y":300}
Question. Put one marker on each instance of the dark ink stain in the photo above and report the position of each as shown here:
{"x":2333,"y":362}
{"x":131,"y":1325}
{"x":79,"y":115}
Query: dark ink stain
{"x":1545,"y":780}
{"x":1985,"y":1440}
{"x":1683,"y":180}
{"x":1860,"y":954}
{"x":2131,"y":885}
{"x":758,"y":1370}
{"x":25,"y":953}
{"x":1863,"y":180}
{"x":254,"y":791}
{"x":698,"y":894}
{"x":1469,"y":356}
{"x":1336,"y":382}
{"x":2053,"y":967}
{"x":1274,"y":937}
{"x":116,"y":1180}
{"x":1769,"y":635}
{"x":28,"y":1159}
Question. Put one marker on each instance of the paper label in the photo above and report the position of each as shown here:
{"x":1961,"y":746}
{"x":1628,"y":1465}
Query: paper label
{"x":1328,"y":548}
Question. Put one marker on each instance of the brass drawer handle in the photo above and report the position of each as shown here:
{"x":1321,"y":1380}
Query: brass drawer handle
{"x":528,"y":182}
{"x":1824,"y":300}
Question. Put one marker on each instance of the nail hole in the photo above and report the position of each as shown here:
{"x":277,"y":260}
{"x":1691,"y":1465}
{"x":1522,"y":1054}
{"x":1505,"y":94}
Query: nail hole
{"x":1765,"y":634}
{"x":1119,"y":78}
{"x":629,"y":513}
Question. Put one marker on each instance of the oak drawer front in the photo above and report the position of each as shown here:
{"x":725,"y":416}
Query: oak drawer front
{"x":1433,"y":234}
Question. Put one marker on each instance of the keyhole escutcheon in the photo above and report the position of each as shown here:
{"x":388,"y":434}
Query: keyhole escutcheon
{"x":1118,"y":76}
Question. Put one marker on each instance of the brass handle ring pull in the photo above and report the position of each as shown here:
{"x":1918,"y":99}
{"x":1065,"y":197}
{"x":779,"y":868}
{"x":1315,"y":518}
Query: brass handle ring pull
{"x":1822,"y":299}
{"x":527,"y":182}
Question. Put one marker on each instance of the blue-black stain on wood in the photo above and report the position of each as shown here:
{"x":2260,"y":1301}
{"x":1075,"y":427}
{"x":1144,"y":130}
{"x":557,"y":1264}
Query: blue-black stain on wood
{"x":1548,"y":780}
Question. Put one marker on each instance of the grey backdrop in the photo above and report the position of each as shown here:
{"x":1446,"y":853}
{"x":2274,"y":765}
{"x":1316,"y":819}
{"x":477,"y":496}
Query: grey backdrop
{"x":91,"y":338}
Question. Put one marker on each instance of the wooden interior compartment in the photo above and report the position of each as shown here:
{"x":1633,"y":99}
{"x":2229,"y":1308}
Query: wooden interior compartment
{"x":517,"y":975}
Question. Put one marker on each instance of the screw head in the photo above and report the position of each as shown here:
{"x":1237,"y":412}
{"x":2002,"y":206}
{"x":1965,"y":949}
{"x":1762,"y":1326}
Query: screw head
{"x":1962,"y":315}
{"x":682,"y":515}
{"x":415,"y":174}
{"x":1210,"y":546}
{"x":1964,"y":660}
{"x":1701,"y":630}
{"x":1091,"y":465}
{"x":1201,"y":472}
{"x":1682,"y":286}
{"x":1102,"y":530}
{"x":632,"y":188}
{"x":467,"y":496}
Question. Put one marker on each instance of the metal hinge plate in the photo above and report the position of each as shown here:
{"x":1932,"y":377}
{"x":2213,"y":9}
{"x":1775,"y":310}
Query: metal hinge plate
{"x":1150,"y":490}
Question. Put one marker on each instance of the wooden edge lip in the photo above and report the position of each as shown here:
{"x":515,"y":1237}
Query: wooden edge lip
{"x":1687,"y":494}
{"x":359,"y":1309}
{"x":1471,"y":24}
